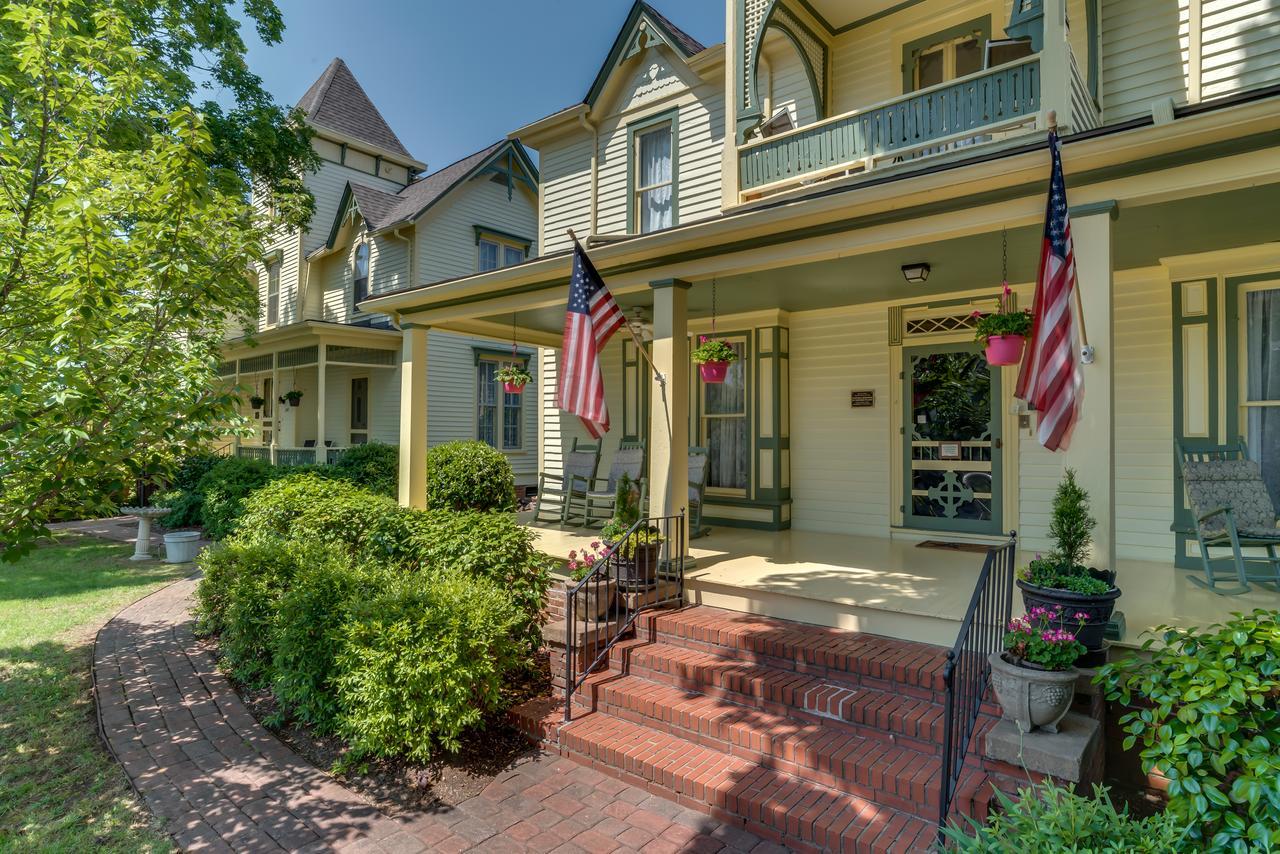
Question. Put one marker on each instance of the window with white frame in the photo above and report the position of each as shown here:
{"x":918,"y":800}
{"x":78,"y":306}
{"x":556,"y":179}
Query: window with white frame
{"x":724,"y":430}
{"x":499,"y":415}
{"x":495,"y":252}
{"x":359,"y":410}
{"x":273,"y":292}
{"x":653,"y":179}
{"x":360,"y":275}
{"x":1260,"y":385}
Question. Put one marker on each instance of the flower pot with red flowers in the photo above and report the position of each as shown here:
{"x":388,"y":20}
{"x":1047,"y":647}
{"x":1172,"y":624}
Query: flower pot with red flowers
{"x":513,"y":378}
{"x":1034,"y":678}
{"x":1003,"y":333}
{"x":597,"y":597}
{"x":713,"y":357}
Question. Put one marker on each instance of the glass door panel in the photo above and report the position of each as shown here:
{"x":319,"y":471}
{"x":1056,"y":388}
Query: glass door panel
{"x":951,"y":440}
{"x":1261,"y":318}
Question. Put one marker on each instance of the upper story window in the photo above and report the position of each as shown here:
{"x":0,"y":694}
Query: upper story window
{"x":944,"y":56}
{"x":653,"y":178}
{"x":360,"y":291}
{"x":499,"y":416}
{"x":495,"y":252}
{"x":273,"y":292}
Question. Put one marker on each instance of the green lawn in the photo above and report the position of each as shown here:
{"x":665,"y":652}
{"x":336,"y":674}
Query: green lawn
{"x":59,"y":788}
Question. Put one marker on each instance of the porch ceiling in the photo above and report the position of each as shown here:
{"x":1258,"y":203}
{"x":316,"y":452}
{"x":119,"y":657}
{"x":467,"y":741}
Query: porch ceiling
{"x":1143,"y":235}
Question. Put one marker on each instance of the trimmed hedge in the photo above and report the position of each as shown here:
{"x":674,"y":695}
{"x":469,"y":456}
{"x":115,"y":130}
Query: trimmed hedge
{"x":375,"y":467}
{"x":469,"y":476}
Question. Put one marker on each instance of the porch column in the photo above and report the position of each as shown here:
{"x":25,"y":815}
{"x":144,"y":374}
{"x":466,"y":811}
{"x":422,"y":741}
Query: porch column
{"x":277,"y":408}
{"x":669,"y":412}
{"x":1055,"y":65}
{"x":235,"y":438}
{"x":322,"y":358}
{"x":1092,"y":450}
{"x":413,"y":416}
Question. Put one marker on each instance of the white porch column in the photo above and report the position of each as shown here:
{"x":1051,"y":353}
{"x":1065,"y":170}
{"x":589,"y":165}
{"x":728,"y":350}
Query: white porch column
{"x":277,"y":408}
{"x":1092,"y":450}
{"x":669,"y":412}
{"x":413,"y":416}
{"x":322,"y":358}
{"x":235,"y":440}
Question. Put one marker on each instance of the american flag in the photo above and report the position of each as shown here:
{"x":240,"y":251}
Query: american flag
{"x":589,"y":323}
{"x":1050,"y":376}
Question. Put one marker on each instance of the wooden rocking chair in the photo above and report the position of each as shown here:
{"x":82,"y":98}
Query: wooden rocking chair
{"x":1232,"y":508}
{"x":699,"y":469}
{"x":601,"y":493}
{"x":557,"y":493}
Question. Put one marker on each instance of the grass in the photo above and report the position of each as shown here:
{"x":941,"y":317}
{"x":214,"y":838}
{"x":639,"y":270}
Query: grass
{"x":59,"y":788}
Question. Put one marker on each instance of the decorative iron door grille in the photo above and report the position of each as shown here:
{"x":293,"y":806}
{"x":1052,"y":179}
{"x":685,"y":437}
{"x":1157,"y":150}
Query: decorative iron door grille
{"x":951,"y":440}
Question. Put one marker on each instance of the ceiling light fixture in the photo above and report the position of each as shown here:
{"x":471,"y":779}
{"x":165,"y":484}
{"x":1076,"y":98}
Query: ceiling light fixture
{"x":916,"y":273}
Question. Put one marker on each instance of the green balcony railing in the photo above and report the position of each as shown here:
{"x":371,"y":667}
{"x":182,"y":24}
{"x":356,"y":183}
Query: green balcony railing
{"x":949,"y":114}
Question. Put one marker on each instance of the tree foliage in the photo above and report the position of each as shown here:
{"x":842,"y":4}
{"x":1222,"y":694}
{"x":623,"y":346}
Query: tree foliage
{"x":126,"y":234}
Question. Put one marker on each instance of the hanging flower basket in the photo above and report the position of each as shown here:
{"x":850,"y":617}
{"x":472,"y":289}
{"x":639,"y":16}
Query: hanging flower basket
{"x":513,"y":378}
{"x":1005,"y":349}
{"x":291,"y":398}
{"x":257,"y":401}
{"x":713,"y":358}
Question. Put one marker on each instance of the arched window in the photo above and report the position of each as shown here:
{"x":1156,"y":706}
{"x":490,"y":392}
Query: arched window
{"x":361,"y":289}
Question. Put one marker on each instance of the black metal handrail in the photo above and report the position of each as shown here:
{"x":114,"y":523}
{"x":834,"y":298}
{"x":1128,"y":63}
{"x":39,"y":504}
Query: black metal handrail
{"x":612,"y":573}
{"x":967,"y":672}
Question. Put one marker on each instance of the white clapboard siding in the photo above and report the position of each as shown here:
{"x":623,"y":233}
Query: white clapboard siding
{"x":388,"y":271}
{"x":446,"y":240}
{"x":839,"y":455}
{"x":559,"y":429}
{"x":552,"y":445}
{"x":782,"y":81}
{"x":327,"y":184}
{"x":1240,"y":45}
{"x":1143,"y":346}
{"x":1144,"y":55}
{"x":565,"y":167}
{"x":384,"y":404}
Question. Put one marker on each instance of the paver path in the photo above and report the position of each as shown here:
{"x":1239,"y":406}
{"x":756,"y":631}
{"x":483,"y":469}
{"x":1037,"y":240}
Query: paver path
{"x":223,"y":783}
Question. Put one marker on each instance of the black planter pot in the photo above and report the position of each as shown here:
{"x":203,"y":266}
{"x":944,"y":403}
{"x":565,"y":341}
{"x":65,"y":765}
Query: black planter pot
{"x":1098,"y":608}
{"x":640,"y":571}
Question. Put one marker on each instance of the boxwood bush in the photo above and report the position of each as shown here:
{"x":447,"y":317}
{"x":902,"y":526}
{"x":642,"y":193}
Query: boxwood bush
{"x":421,"y":661}
{"x":375,"y":467}
{"x":469,"y":476}
{"x":223,"y":489}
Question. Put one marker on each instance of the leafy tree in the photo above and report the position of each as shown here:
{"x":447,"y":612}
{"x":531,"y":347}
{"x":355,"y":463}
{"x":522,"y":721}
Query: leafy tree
{"x":126,"y":234}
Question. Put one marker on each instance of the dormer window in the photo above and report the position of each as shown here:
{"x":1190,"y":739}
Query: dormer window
{"x":360,"y":291}
{"x":495,"y":250}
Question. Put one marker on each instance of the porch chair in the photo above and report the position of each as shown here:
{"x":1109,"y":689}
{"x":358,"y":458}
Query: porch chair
{"x":699,"y":469}
{"x":601,"y":492}
{"x":1231,"y":507}
{"x":558,"y":492}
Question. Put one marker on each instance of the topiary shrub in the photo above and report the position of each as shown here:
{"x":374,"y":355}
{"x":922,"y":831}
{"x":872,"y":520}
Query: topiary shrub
{"x":274,"y":510}
{"x":420,"y":661}
{"x":1051,"y":818}
{"x":375,"y":467}
{"x":469,"y":476}
{"x":224,"y":488}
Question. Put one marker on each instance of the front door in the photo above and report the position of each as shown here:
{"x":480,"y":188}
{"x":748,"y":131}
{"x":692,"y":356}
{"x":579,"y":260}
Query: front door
{"x":951,"y":440}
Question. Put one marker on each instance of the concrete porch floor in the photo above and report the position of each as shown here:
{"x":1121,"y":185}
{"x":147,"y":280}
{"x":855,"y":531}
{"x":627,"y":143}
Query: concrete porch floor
{"x":892,"y":586}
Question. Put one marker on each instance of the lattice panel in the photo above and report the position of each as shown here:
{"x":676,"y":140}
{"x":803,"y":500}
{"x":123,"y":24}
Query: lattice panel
{"x":299,"y":357}
{"x":815,"y":51}
{"x":936,"y":325}
{"x":255,"y":364}
{"x":753,"y":15}
{"x":227,"y":369}
{"x":361,"y":355}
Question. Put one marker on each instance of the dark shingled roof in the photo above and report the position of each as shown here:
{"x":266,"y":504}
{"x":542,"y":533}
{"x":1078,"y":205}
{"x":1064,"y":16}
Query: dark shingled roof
{"x":376,"y":206}
{"x":687,"y":43}
{"x":338,"y":102}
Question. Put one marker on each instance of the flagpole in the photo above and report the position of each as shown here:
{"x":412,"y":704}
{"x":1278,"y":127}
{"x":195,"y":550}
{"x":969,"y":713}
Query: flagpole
{"x":1075,"y":286}
{"x":662,"y":380}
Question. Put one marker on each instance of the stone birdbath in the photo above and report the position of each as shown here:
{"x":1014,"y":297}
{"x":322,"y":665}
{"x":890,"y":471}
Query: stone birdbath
{"x":142,"y":550}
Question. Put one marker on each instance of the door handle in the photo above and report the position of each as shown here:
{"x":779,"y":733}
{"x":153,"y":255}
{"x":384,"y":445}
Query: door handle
{"x":999,"y":443}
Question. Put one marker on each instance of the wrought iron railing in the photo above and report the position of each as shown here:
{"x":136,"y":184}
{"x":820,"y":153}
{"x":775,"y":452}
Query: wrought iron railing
{"x":602,"y":608}
{"x":967,"y":672}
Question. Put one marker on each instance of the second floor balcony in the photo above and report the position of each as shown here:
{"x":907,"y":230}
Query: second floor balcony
{"x":821,"y":98}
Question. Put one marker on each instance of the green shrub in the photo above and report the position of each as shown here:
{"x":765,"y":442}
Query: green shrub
{"x":1209,"y":720}
{"x":191,"y":468}
{"x":304,"y":642}
{"x":469,"y":476}
{"x":374,"y":466}
{"x":1051,"y":818}
{"x":184,"y":508}
{"x":224,"y":488}
{"x":420,"y":661}
{"x":274,"y":510}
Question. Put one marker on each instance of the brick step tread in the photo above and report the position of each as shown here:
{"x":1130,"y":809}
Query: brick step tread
{"x":784,"y":692}
{"x":818,"y":650}
{"x":699,"y":776}
{"x":835,"y":756}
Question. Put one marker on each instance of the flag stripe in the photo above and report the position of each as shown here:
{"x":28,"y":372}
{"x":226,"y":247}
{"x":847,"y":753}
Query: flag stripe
{"x":590,"y":320}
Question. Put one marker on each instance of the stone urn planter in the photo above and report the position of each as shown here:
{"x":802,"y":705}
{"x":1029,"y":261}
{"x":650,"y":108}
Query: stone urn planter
{"x":1033,"y":698}
{"x":595,"y":600}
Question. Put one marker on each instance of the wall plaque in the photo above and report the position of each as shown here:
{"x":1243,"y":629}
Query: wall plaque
{"x":861,"y":399}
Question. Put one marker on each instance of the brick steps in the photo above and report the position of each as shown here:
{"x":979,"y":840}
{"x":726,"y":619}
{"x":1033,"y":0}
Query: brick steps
{"x":769,"y":802}
{"x":835,"y":757}
{"x":873,"y":712}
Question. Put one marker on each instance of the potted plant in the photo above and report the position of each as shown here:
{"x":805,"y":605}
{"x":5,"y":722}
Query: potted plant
{"x":635,"y":555}
{"x":1034,"y":678}
{"x":597,"y":597}
{"x":1003,"y":332}
{"x":1061,"y":581}
{"x":257,"y":401}
{"x":291,"y":397}
{"x":713,"y":357}
{"x":513,"y":378}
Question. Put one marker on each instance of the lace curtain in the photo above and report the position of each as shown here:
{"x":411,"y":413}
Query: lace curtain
{"x":655,"y":174}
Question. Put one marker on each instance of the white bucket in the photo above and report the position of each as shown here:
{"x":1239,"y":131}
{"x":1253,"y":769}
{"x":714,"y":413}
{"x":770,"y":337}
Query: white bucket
{"x":181,"y":546}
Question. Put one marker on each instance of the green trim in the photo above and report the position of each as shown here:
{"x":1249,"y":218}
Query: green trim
{"x":819,"y":96}
{"x":749,"y":404}
{"x":1092,"y":15}
{"x":1110,"y":206}
{"x":912,"y":48}
{"x":1026,"y":21}
{"x":620,"y":44}
{"x":875,"y":16}
{"x":1182,"y":521}
{"x":492,"y":354}
{"x":342,"y":154}
{"x":512,"y":145}
{"x":482,"y":230}
{"x":775,"y":508}
{"x":636,"y":398}
{"x":660,"y":284}
{"x":1234,"y":429}
{"x":770,"y":361}
{"x":751,"y":113}
{"x":1198,"y":154}
{"x":994,"y":525}
{"x":640,"y":126}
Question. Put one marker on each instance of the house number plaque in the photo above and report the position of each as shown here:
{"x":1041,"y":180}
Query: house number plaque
{"x":861,"y":399}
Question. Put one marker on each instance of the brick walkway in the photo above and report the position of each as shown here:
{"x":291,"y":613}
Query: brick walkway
{"x":223,"y":783}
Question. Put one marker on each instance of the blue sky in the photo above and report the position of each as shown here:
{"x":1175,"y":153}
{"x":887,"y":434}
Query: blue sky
{"x":452,"y":77}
